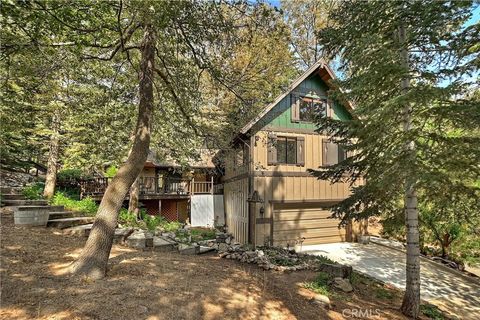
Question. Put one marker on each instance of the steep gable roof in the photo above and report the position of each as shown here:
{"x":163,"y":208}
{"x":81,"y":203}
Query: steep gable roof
{"x":320,"y":67}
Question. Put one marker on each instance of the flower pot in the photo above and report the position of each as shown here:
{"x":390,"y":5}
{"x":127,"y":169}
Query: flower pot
{"x":31,"y":216}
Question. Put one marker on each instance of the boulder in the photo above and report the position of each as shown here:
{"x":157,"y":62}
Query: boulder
{"x":342,"y":284}
{"x":222,"y":247}
{"x":148,"y":239}
{"x":136,"y":240}
{"x":321,"y":300}
{"x":336,"y":270}
{"x":188,"y":249}
{"x":205,"y":249}
{"x":162,"y":245}
{"x":221,"y":237}
{"x":168,"y":235}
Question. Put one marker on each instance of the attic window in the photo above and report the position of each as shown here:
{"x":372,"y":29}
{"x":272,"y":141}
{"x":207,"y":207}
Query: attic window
{"x":309,"y":108}
{"x":306,"y":108}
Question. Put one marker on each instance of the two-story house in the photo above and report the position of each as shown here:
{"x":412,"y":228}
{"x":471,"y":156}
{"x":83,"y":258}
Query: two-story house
{"x":270,"y":197}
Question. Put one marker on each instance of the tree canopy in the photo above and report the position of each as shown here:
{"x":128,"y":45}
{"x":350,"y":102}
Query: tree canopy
{"x":408,"y":73}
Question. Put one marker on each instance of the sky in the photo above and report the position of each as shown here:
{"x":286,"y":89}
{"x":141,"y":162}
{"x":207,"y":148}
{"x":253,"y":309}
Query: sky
{"x":474,"y":19}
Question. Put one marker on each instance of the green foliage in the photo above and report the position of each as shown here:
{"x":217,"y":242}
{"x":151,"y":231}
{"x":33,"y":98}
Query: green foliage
{"x":432,"y":312}
{"x":70,"y":174}
{"x":382,"y":293}
{"x":173,"y":226}
{"x":153,"y":222}
{"x":199,"y":234}
{"x":467,"y":248}
{"x":320,"y":284}
{"x":306,"y":18}
{"x":445,"y":159}
{"x":86,"y":206}
{"x":127,"y":218}
{"x":34,"y":191}
{"x":111,"y":171}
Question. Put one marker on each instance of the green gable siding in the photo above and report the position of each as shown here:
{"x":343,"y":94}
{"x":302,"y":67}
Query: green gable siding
{"x":280,"y":116}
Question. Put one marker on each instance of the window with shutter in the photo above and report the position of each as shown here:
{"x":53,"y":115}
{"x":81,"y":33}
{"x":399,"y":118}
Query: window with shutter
{"x":301,"y":151}
{"x":295,"y":106}
{"x":272,"y":150}
{"x":332,"y":153}
{"x":309,"y":109}
{"x":288,"y":150}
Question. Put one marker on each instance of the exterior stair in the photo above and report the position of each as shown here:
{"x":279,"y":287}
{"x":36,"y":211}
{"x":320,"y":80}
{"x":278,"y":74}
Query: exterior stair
{"x":12,"y":196}
{"x":58,"y":217}
{"x":84,"y":231}
{"x":60,"y":214}
{"x":69,"y":222}
{"x":23,"y":202}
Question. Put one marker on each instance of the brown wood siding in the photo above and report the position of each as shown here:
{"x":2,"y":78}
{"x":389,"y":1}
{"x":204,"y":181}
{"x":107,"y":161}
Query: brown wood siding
{"x":312,"y":151}
{"x":236,"y":209}
{"x":291,"y":183}
{"x":296,"y":224}
{"x":232,"y":170}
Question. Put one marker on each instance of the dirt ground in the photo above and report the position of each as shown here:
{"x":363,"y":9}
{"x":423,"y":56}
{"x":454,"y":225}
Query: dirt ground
{"x":155,"y":285}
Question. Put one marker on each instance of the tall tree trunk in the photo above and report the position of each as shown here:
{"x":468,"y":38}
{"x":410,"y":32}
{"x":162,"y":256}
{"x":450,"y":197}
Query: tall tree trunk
{"x":133,"y":199}
{"x":93,"y":259}
{"x":51,"y":178}
{"x":411,"y":299}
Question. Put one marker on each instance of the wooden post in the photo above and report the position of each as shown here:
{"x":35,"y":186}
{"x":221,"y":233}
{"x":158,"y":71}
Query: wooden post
{"x":211,"y":184}
{"x":192,"y":186}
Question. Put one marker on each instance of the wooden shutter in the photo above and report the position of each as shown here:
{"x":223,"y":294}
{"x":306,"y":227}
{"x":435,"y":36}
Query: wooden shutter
{"x":295,"y":108}
{"x":329,"y":153}
{"x":324,"y":152}
{"x":272,"y":150}
{"x":300,"y":151}
{"x":342,"y":154}
{"x":329,"y":108}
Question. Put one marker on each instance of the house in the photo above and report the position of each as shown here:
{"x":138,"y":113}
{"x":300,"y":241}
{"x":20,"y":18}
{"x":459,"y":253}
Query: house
{"x":177,"y":193}
{"x":270,"y":197}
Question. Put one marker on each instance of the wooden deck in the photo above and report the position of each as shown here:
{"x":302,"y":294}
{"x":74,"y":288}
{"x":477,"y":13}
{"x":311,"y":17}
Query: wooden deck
{"x":152,"y":188}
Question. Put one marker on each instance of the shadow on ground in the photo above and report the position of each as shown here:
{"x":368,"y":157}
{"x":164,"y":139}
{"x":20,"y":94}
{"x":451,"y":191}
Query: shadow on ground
{"x":150,"y":285}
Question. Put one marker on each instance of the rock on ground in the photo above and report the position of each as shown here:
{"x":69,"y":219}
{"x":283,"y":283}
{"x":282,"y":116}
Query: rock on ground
{"x":322,"y":301}
{"x":342,"y":284}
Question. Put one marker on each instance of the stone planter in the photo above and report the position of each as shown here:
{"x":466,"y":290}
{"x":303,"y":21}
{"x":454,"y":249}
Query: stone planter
{"x":364,"y":239}
{"x":30,"y":216}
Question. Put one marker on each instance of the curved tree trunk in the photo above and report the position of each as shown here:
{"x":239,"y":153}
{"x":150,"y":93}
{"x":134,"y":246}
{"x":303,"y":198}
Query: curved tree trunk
{"x":51,"y":177}
{"x":133,"y":199}
{"x":93,"y":259}
{"x":411,"y":299}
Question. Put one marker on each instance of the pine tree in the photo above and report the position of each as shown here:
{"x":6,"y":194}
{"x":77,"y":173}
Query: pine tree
{"x":306,"y":18}
{"x":407,"y":70}
{"x":160,"y":53}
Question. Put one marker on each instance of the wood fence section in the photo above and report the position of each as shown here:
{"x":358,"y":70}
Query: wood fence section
{"x":236,"y":209}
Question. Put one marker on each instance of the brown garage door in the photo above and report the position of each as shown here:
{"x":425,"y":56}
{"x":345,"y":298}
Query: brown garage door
{"x":293,"y":223}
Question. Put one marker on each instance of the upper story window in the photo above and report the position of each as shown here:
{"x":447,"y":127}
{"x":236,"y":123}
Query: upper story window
{"x":286,"y":150}
{"x":309,"y":108}
{"x":332,"y":153}
{"x":305,"y":109}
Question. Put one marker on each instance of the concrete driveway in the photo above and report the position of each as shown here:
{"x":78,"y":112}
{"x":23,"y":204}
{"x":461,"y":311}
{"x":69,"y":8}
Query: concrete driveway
{"x":458,"y":294}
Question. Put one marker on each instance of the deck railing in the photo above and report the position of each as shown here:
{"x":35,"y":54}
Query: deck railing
{"x":202,"y":187}
{"x":153,"y":186}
